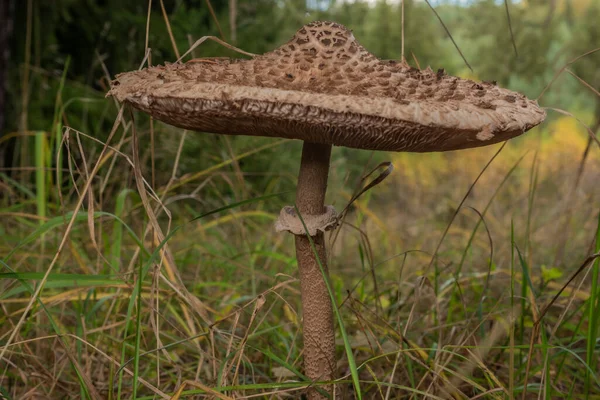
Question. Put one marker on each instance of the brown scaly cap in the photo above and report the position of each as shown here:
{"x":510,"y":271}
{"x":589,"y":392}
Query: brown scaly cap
{"x":324,"y":87}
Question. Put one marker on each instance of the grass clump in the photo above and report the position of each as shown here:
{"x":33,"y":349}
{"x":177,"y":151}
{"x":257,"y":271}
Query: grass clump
{"x":154,"y":294}
{"x":139,"y":261}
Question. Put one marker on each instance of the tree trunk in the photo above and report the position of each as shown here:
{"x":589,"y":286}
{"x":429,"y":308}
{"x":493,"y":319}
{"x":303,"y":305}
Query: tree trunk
{"x":6,"y":24}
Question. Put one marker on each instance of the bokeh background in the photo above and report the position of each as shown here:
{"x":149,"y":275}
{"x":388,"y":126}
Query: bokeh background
{"x":436,"y":293}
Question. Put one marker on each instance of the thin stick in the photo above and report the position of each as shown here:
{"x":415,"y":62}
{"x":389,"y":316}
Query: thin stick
{"x":512,"y":36}
{"x":148,"y":25}
{"x":233,"y":20}
{"x":584,"y":83}
{"x":449,"y":34}
{"x":173,"y":43}
{"x":152,"y":158}
{"x":402,"y":42}
{"x":214,"y":17}
{"x":415,"y":60}
{"x":564,"y":67}
{"x":216,"y":39}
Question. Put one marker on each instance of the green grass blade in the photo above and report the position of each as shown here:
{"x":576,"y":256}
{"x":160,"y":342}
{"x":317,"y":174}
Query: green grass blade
{"x":61,"y":221}
{"x":138,"y":332}
{"x":238,"y":204}
{"x":117,"y":236}
{"x":483,"y":214}
{"x":40,"y":175}
{"x":511,"y":377}
{"x":53,"y":324}
{"x":57,"y":125}
{"x":21,"y":188}
{"x":153,"y":258}
{"x":525,"y":285}
{"x":58,"y":277}
{"x":593,"y":316}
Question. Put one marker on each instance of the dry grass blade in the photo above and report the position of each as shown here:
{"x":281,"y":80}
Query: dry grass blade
{"x":263,"y":294}
{"x":148,"y":25}
{"x":214,"y":17}
{"x":487,"y":393}
{"x":189,"y":178}
{"x":175,"y":166}
{"x":563,"y":68}
{"x":512,"y":36}
{"x":584,"y":83}
{"x":477,"y":357}
{"x":198,"y":385}
{"x":538,"y":321}
{"x":89,"y":386}
{"x":168,"y":24}
{"x":160,"y":237}
{"x":97,"y":350}
{"x":260,"y":302}
{"x":389,"y":167}
{"x":146,"y":58}
{"x":233,"y":9}
{"x":449,"y":35}
{"x":216,"y":39}
{"x":64,"y":238}
{"x":146,"y":50}
{"x":573,"y":296}
{"x":491,"y":258}
{"x":583,"y":265}
{"x":90,"y":196}
{"x":23,"y":215}
{"x":590,"y":131}
{"x":471,"y":187}
{"x":415,"y":60}
{"x":402,"y":58}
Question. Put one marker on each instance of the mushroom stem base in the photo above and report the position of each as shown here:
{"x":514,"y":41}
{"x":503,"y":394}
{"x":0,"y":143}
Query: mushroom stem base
{"x":318,"y":327}
{"x":319,"y":334}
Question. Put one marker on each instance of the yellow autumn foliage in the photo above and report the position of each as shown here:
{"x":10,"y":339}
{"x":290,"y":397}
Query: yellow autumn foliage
{"x":559,"y":145}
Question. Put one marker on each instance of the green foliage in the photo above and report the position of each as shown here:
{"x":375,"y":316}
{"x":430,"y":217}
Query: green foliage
{"x":551,"y":274}
{"x":112,"y":33}
{"x":585,"y":37}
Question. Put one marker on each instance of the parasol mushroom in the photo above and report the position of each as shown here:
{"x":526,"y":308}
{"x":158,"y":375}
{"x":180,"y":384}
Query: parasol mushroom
{"x":324,"y":88}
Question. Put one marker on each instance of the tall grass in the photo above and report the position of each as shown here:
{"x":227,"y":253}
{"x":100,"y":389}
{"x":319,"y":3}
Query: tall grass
{"x":116,"y":284}
{"x":130,"y":321}
{"x":446,"y":276}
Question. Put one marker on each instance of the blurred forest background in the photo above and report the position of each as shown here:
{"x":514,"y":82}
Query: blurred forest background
{"x":539,"y":200}
{"x":88,"y":41}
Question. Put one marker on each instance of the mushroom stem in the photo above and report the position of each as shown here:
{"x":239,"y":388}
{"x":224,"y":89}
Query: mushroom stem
{"x":319,"y":334}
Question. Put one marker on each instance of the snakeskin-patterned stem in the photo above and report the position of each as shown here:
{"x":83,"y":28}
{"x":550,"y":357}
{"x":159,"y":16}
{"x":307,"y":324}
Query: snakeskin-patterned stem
{"x":319,"y":334}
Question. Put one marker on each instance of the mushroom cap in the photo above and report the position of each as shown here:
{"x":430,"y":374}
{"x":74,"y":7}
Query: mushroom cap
{"x":324,"y":87}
